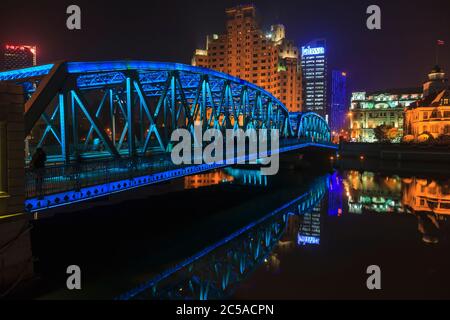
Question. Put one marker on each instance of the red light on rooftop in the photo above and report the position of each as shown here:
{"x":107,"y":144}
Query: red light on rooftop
{"x":21,"y":47}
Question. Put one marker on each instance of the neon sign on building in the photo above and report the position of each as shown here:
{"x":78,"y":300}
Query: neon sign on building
{"x":308,"y":51}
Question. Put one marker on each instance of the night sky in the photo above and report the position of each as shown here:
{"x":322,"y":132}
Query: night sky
{"x":169,"y":30}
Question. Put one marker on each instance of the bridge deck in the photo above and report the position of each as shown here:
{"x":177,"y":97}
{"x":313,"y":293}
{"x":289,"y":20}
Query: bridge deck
{"x":67,"y":184}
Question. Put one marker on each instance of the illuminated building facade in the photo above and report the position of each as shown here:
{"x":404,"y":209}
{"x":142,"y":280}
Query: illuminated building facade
{"x":370,"y":110}
{"x":339,"y":102}
{"x":314,"y":67}
{"x":17,"y":56}
{"x":268,"y":59}
{"x":430,"y":116}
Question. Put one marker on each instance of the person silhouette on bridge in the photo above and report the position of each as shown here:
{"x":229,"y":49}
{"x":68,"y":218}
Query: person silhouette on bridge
{"x":38,"y":167}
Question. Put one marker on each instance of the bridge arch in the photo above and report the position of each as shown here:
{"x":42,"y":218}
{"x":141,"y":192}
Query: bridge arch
{"x":313,"y":127}
{"x":129,"y":105}
{"x":113,"y":121}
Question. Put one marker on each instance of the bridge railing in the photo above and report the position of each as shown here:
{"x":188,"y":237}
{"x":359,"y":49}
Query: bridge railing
{"x":77,"y":175}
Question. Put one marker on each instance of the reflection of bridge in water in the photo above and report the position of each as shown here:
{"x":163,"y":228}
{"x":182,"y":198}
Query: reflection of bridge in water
{"x":106,"y":126}
{"x":214,"y":272}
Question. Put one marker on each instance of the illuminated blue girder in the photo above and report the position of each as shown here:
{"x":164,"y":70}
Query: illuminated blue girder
{"x":101,"y":111}
{"x":26,"y":73}
{"x":50,"y":127}
{"x":78,"y":98}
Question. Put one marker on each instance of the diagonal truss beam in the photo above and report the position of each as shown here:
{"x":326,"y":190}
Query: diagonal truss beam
{"x":47,"y":90}
{"x":82,"y":103}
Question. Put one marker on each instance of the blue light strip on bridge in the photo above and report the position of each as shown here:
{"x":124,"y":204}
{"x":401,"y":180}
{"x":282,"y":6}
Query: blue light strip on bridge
{"x":123,"y":65}
{"x":25,"y":73}
{"x":108,"y":66}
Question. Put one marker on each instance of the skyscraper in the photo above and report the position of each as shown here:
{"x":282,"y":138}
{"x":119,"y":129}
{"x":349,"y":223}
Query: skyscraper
{"x":339,"y":104}
{"x":314,"y":66}
{"x":17,"y":56}
{"x":266,"y":59}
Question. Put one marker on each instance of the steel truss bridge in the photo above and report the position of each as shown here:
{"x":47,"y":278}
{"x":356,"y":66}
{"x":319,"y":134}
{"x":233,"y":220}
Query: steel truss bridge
{"x":106,"y":126}
{"x":216,"y":271}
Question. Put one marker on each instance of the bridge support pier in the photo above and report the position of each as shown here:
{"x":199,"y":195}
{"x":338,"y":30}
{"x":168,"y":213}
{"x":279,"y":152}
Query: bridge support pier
{"x":16,"y":262}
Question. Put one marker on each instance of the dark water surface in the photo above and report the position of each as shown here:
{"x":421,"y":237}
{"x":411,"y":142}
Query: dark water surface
{"x":236,"y":234}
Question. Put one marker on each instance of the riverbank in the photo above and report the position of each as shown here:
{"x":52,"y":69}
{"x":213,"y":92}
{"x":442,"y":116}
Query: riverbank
{"x":396,"y":152}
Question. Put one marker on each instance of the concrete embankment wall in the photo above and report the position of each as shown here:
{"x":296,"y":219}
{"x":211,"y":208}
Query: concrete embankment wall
{"x":16,"y":263}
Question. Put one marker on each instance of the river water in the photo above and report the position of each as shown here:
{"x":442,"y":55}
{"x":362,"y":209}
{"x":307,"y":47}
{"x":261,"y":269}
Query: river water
{"x":234,"y":234}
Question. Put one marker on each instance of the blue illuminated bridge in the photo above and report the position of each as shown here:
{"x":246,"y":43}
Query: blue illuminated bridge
{"x":106,"y":126}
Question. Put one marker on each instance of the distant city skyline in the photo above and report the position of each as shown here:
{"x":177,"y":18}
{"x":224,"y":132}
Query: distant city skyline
{"x":395,"y":57}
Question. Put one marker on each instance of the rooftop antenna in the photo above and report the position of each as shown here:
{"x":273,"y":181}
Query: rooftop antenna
{"x":439,"y":43}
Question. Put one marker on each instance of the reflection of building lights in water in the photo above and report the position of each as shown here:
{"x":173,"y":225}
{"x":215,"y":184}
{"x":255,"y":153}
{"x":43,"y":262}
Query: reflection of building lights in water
{"x":392,"y":194}
{"x":335,"y":195}
{"x":427,"y":195}
{"x":427,"y":199}
{"x":309,"y":231}
{"x":367,"y":191}
{"x":207,"y":179}
{"x":272,"y":262}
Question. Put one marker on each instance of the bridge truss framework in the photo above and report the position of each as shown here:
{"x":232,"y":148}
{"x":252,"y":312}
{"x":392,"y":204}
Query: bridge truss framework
{"x":120,"y":111}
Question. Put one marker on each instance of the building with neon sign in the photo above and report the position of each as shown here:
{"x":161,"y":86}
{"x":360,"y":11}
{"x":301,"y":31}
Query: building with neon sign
{"x":266,"y":59}
{"x":17,"y":56}
{"x":315,"y":77}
